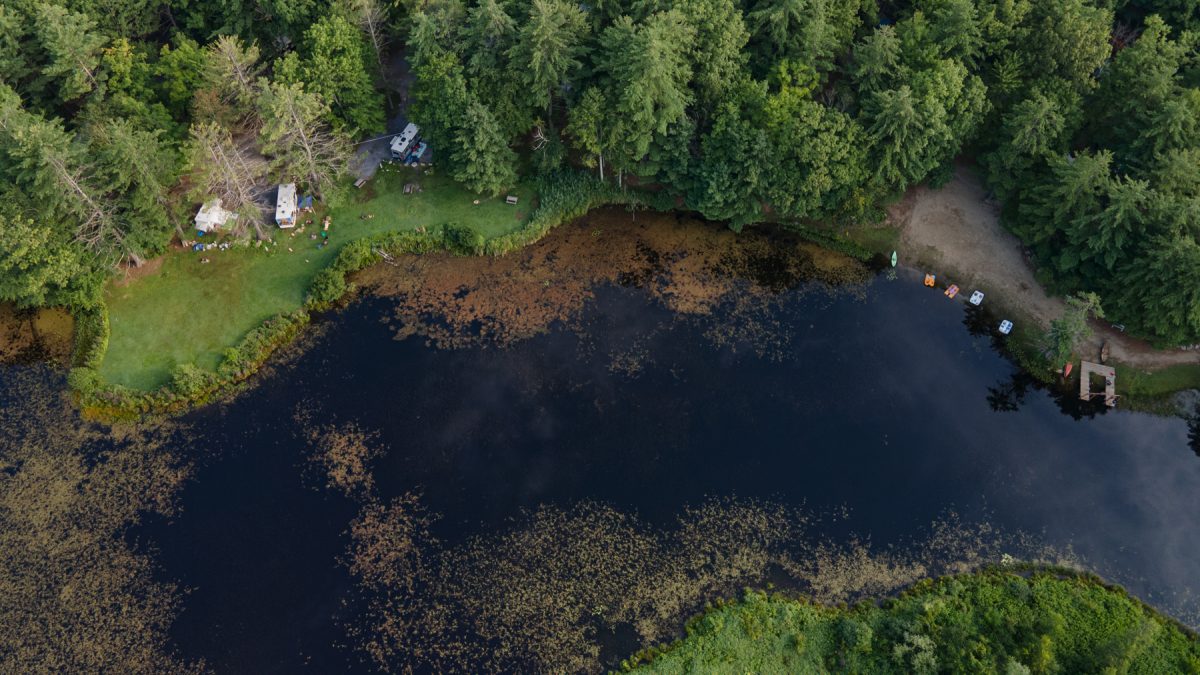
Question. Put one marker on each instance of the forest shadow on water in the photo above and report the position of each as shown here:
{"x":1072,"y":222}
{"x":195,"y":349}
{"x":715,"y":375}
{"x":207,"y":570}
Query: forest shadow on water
{"x":545,"y":461}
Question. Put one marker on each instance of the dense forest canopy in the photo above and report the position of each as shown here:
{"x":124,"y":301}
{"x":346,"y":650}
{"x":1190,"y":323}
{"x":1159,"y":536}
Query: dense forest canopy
{"x":118,"y":116}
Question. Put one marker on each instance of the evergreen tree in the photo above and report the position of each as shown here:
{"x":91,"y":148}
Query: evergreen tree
{"x":134,"y":167}
{"x":298,"y":139}
{"x":587,"y":128}
{"x":1159,"y":293}
{"x":232,"y":69}
{"x":814,"y":32}
{"x":481,"y":157}
{"x":16,"y":32}
{"x":1065,"y":42}
{"x":920,"y":125}
{"x":647,"y":69}
{"x":876,"y":60}
{"x":337,"y":64}
{"x":717,"y":55}
{"x":1107,"y":236}
{"x":74,"y":46}
{"x":1135,"y":102}
{"x":439,"y":97}
{"x":955,"y":27}
{"x":490,"y":33}
{"x":37,"y":266}
{"x":1035,"y":129}
{"x":547,"y":50}
{"x":1068,"y":196}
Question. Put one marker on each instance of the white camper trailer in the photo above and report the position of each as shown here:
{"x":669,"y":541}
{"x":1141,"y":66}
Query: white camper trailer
{"x":403,"y":142}
{"x":285,"y":205}
{"x":212,"y":217}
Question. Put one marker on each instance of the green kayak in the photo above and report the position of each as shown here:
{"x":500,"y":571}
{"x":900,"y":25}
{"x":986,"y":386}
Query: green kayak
{"x":894,"y":259}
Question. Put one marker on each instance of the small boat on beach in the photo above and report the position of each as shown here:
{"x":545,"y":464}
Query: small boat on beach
{"x":895,"y":259}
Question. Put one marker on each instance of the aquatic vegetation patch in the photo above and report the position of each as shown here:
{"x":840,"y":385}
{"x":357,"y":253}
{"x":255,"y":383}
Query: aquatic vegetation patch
{"x":342,"y":454}
{"x":31,"y":335}
{"x":692,"y":267}
{"x":992,"y":621}
{"x":566,"y":590}
{"x":74,"y":597}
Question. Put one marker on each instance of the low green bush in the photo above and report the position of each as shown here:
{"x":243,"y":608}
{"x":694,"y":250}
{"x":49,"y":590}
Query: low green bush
{"x":564,"y":196}
{"x":327,"y":287}
{"x":190,"y":380}
{"x":91,"y":336}
{"x":463,"y":239}
{"x":829,"y":240}
{"x":84,"y":381}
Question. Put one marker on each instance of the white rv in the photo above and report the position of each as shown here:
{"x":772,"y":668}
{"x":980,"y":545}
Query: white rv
{"x":403,"y":142}
{"x":285,"y":205}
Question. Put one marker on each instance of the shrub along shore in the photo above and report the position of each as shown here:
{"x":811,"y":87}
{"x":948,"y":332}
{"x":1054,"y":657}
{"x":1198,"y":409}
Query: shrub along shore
{"x":994,"y":621}
{"x":562,"y":197}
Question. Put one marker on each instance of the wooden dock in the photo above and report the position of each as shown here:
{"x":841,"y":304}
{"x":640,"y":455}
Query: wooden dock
{"x":1086,"y":370}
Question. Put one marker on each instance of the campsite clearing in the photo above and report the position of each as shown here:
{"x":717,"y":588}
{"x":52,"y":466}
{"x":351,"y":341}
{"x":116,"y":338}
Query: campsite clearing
{"x":190,"y":312}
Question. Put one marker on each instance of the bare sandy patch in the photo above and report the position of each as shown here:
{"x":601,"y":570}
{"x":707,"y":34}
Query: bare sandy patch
{"x":954,"y":231}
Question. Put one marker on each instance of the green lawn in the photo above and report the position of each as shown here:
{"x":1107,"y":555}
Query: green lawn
{"x":1158,"y":383}
{"x":190,"y":312}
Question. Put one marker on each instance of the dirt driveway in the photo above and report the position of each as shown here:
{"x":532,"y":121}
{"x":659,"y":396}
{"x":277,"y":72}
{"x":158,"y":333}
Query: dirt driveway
{"x":956,"y":232}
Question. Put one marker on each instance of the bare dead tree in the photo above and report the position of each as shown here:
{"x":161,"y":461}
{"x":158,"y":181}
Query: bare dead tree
{"x":299,"y":139}
{"x":69,"y":182}
{"x":372,"y":21}
{"x":99,"y":227}
{"x":539,"y":137}
{"x":1123,"y":35}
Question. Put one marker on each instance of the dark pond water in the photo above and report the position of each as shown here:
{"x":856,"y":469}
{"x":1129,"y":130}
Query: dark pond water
{"x":890,"y":402}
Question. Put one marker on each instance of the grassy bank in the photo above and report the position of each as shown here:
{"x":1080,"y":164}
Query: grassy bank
{"x":188,"y":312}
{"x":183,"y":332}
{"x":993,"y":621}
{"x":130,"y":361}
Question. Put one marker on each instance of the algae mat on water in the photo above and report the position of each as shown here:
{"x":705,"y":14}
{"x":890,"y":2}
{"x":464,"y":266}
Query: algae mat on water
{"x":189,"y":312}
